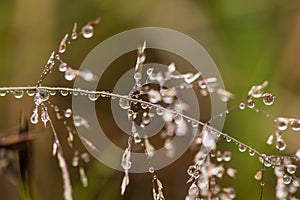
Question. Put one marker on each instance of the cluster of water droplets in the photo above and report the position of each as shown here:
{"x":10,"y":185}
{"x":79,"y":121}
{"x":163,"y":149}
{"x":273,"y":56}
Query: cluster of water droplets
{"x":204,"y":173}
{"x":287,"y":183}
{"x":282,"y":124}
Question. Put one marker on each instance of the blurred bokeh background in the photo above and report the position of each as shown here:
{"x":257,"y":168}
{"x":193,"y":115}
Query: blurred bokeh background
{"x":250,"y":41}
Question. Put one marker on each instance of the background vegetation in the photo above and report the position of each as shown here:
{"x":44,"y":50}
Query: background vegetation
{"x":250,"y":41}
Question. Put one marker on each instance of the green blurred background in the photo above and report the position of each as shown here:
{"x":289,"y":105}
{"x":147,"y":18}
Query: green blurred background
{"x":250,"y":41}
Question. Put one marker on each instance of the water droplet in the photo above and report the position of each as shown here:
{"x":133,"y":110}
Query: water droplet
{"x":207,"y":138}
{"x":18,"y":93}
{"x":63,"y":44}
{"x":270,"y":139}
{"x":227,"y":156}
{"x":251,"y":104}
{"x":151,"y":170}
{"x":93,"y":97}
{"x":34,"y":119}
{"x":227,"y":138}
{"x":191,"y":170}
{"x":267,"y":162}
{"x":74,"y":35}
{"x":63,"y":67}
{"x":68,"y":113}
{"x":160,"y":111}
{"x":291,"y":169}
{"x":194,"y":124}
{"x":282,"y":123}
{"x":87,"y":31}
{"x":295,"y":124}
{"x":87,"y":75}
{"x":3,"y":93}
{"x":178,"y":119}
{"x":251,"y":152}
{"x":77,"y":120}
{"x":268,"y":99}
{"x":75,"y":161}
{"x":52,"y":92}
{"x":70,"y":74}
{"x":171,"y":67}
{"x":280,"y":144}
{"x":144,"y":105}
{"x":44,"y":94}
{"x":242,"y":106}
{"x":29,"y":93}
{"x":64,"y":92}
{"x":258,"y":175}
{"x":137,"y":76}
{"x":136,"y":137}
{"x":149,"y":71}
{"x":286,"y":179}
{"x":219,"y":156}
{"x":124,"y":103}
{"x":37,"y":99}
{"x":242,"y":148}
{"x":126,"y":164}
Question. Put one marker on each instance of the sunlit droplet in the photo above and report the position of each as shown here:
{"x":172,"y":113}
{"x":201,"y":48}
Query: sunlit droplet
{"x":93,"y":97}
{"x":270,"y":139}
{"x":68,"y":113}
{"x":282,"y":123}
{"x":64,"y":92}
{"x":34,"y":119}
{"x":124,"y":103}
{"x":18,"y":93}
{"x":151,"y":170}
{"x":291,"y":169}
{"x":280,"y":144}
{"x":136,"y":137}
{"x":295,"y":124}
{"x":63,"y":67}
{"x":286,"y":179}
{"x":268,"y":99}
{"x":242,"y":148}
{"x":29,"y":93}
{"x":159,"y":111}
{"x":87,"y":31}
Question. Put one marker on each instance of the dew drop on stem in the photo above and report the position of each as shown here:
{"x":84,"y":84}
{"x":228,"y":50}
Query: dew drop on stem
{"x":268,"y":99}
{"x":280,"y":144}
{"x":151,"y":170}
{"x":3,"y":93}
{"x":87,"y":31}
{"x":63,"y":67}
{"x":242,"y":106}
{"x":242,"y":148}
{"x":281,"y":123}
{"x":34,"y":119}
{"x":93,"y":97}
{"x":295,"y":124}
{"x":291,"y":169}
{"x":124,"y":103}
{"x":286,"y":179}
{"x":159,"y":111}
{"x":18,"y":94}
{"x":30,"y":93}
{"x":68,"y":113}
